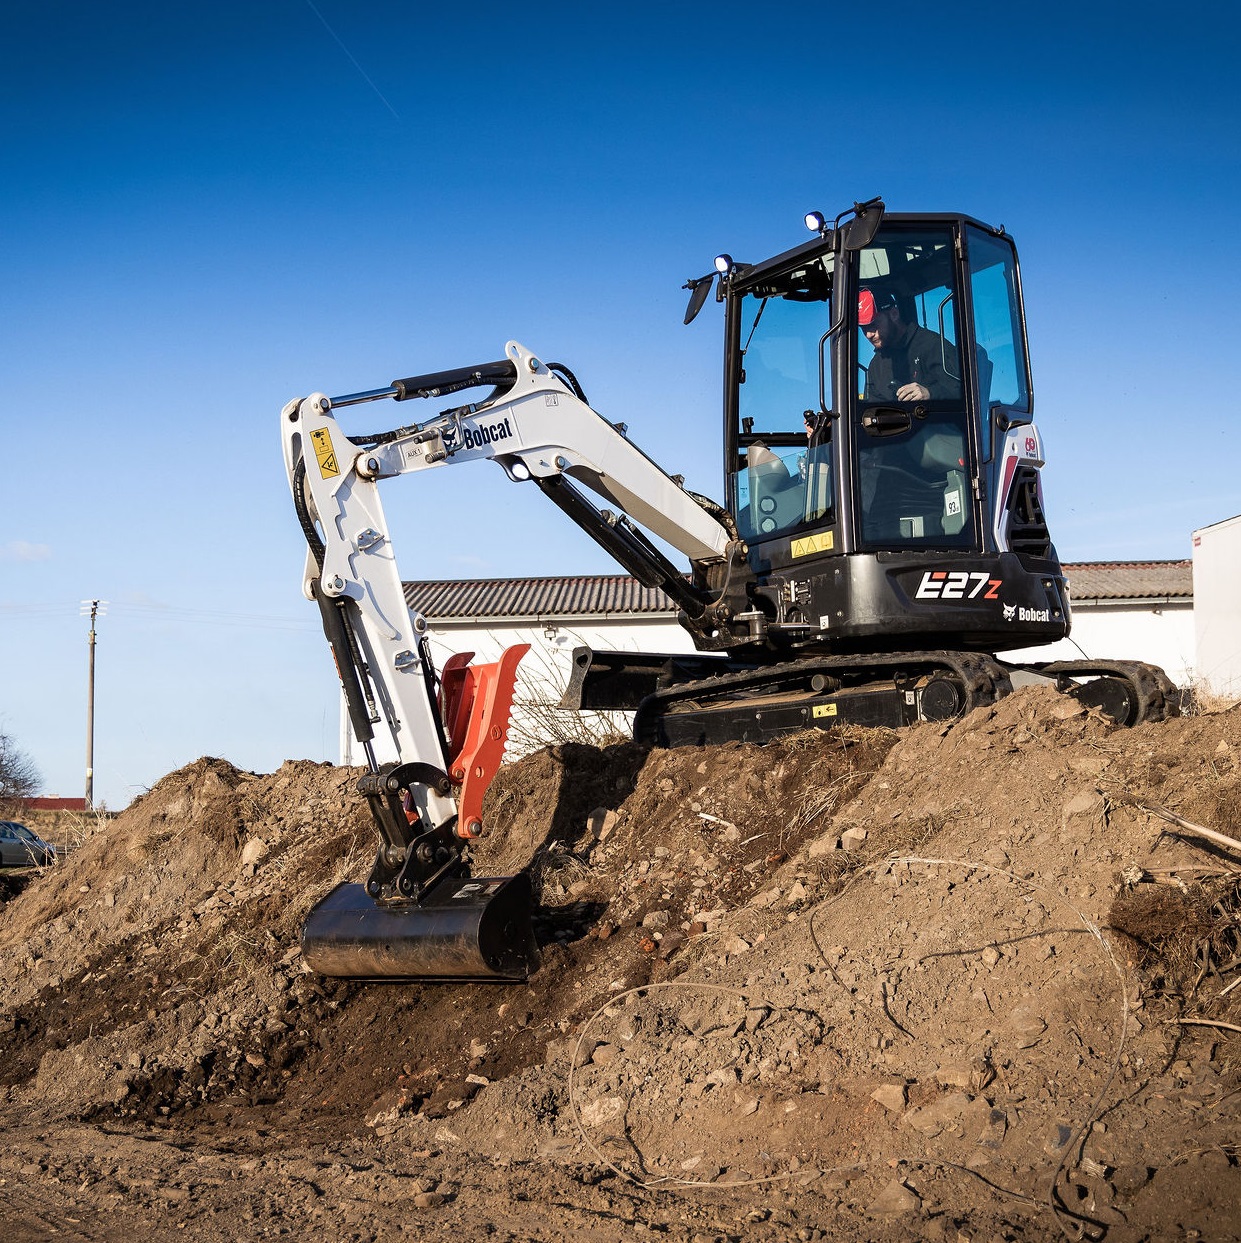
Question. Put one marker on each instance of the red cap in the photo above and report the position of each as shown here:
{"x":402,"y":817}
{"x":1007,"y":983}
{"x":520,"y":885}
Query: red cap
{"x":869,"y":305}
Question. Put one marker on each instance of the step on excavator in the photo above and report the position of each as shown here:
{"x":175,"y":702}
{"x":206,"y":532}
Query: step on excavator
{"x":881,"y":539}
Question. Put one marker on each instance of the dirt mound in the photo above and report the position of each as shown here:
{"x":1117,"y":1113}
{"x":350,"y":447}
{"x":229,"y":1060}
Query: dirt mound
{"x":965,"y":981}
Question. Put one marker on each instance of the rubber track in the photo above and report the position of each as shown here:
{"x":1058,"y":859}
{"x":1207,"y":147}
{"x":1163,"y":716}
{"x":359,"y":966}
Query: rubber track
{"x":982,"y":679}
{"x":1155,"y":693}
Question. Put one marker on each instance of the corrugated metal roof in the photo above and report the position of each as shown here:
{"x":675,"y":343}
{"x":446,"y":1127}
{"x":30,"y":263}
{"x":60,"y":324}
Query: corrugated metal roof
{"x":587,"y":595}
{"x":606,"y":595}
{"x":1131,"y":580}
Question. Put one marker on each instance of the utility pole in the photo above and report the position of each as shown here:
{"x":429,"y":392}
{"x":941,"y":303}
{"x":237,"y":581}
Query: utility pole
{"x":97,"y":609}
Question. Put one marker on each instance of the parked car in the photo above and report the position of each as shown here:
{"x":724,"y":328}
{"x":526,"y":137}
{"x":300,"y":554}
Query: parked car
{"x":21,"y":848}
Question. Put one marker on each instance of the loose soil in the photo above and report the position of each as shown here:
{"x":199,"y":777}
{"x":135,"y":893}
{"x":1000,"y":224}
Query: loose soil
{"x":965,"y":982}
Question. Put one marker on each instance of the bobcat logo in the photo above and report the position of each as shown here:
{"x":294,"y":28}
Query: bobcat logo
{"x":456,"y":437}
{"x":1010,"y":611}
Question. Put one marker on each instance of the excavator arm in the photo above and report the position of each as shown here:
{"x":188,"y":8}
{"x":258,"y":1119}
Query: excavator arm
{"x":420,"y":913}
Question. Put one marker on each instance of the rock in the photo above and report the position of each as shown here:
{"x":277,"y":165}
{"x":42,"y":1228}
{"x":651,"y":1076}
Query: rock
{"x":601,"y":822}
{"x":973,"y":1073}
{"x":1128,"y":1179}
{"x":982,"y":1123}
{"x":940,"y":1115}
{"x":1027,"y":1026}
{"x":253,"y":852}
{"x":852,"y":839}
{"x":896,"y":1198}
{"x":602,"y":1111}
{"x":756,"y":1016}
{"x":823,"y":845}
{"x":892,"y":1096}
{"x":1057,"y":1137}
{"x":1084,"y":803}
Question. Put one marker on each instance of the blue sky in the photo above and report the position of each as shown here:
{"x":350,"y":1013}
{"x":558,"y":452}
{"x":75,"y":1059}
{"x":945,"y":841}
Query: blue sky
{"x":212,"y":208}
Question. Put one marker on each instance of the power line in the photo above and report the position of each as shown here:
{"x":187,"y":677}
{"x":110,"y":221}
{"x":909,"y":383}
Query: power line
{"x":352,"y":61}
{"x":172,"y":613}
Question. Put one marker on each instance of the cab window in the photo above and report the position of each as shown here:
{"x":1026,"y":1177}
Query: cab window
{"x":997,"y":323}
{"x":782,"y":480}
{"x":907,"y":318}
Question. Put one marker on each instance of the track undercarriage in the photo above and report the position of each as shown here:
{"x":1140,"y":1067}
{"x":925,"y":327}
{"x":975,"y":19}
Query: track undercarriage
{"x":891,"y":689}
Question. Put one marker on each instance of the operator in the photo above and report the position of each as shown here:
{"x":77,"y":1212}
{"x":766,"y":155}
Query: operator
{"x":908,"y":363}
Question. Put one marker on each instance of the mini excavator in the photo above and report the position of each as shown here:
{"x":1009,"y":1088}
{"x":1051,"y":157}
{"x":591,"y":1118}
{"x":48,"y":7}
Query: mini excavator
{"x":882,"y":537}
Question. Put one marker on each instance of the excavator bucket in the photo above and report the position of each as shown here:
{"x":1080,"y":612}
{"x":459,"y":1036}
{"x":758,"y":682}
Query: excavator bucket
{"x":421,"y":915}
{"x":465,"y":928}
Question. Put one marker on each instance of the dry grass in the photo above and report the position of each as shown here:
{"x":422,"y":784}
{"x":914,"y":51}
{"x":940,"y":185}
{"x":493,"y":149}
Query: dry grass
{"x":537,"y":720}
{"x":553,"y":869}
{"x":1188,"y":937}
{"x":1203,"y":701}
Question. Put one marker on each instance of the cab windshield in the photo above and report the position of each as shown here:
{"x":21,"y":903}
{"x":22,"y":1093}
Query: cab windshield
{"x":782,"y":477}
{"x":910,"y":436}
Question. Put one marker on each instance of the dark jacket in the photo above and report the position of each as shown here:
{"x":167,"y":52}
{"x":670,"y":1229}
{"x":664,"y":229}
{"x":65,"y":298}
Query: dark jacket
{"x":916,"y":358}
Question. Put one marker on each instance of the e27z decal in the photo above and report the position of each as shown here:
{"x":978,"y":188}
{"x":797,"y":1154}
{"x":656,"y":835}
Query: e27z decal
{"x":957,"y":585}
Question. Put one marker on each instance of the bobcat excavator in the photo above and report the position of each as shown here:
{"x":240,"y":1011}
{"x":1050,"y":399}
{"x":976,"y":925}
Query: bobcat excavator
{"x":882,"y":537}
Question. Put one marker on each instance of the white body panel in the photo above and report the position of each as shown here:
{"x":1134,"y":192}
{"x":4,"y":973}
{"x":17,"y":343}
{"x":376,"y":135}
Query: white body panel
{"x":1021,"y":444}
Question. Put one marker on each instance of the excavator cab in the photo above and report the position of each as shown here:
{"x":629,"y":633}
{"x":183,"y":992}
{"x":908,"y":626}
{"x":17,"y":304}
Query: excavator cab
{"x":880,"y":455}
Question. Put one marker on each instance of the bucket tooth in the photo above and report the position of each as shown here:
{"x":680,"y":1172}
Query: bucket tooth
{"x":465,"y":928}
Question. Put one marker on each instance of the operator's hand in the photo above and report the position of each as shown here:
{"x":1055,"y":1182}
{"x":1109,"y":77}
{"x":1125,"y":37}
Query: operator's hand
{"x":913,"y":392}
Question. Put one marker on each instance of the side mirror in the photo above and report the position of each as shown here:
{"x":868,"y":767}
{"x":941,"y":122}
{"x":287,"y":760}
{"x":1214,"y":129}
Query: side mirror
{"x":861,"y":230}
{"x":699,"y":289}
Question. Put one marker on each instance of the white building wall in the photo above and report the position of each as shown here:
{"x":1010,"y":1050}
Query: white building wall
{"x":1160,"y":634}
{"x":1217,"y":606}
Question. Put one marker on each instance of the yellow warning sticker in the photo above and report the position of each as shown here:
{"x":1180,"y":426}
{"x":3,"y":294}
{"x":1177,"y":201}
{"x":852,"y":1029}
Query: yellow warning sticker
{"x":823,"y":542}
{"x":326,"y":455}
{"x":823,"y":710}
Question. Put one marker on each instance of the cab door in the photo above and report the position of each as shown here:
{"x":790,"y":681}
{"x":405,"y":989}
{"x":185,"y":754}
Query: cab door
{"x":913,"y":445}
